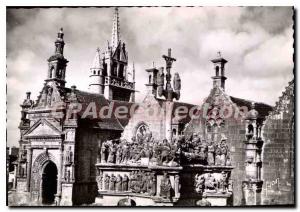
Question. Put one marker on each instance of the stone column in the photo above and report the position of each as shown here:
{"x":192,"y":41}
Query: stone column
{"x":59,"y":176}
{"x":169,"y":108}
{"x":252,"y":185}
{"x":15,"y":176}
{"x":177,"y":186}
{"x":29,"y":164}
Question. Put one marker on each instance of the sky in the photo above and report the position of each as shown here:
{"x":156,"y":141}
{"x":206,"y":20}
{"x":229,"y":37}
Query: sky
{"x":256,"y":41}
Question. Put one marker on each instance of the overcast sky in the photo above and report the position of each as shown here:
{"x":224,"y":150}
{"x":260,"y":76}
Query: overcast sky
{"x":256,"y":41}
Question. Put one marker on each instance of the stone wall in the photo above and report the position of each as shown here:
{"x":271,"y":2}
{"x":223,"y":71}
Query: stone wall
{"x":278,"y":151}
{"x":156,"y":122}
{"x":88,"y":140}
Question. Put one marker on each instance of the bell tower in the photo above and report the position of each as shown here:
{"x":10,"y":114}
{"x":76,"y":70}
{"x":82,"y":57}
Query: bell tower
{"x":57,"y":63}
{"x":110,"y":76}
{"x":219,"y":67}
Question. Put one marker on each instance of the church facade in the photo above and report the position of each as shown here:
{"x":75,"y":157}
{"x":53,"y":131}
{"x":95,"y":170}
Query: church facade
{"x":101,"y":147}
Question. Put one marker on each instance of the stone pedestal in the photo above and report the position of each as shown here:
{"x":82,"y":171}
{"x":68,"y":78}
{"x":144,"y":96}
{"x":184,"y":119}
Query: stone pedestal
{"x":218,"y":199}
{"x":252,"y":192}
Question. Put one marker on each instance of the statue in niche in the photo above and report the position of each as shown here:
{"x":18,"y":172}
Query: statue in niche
{"x":199,"y":183}
{"x":69,"y":156}
{"x":125,"y":180}
{"x":210,"y":183}
{"x":223,"y":182}
{"x":112,"y":183}
{"x":111,"y":153}
{"x":165,"y":187}
{"x":210,"y":153}
{"x":106,"y":182}
{"x":119,"y":183}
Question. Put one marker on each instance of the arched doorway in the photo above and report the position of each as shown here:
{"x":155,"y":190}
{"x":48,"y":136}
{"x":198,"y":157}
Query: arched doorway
{"x":49,"y":183}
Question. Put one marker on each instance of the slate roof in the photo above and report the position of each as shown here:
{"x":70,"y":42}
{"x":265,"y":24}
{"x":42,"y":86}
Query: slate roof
{"x":262,"y":108}
{"x":106,"y":123}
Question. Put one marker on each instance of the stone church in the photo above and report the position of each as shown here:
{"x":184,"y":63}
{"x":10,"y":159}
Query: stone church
{"x":152,"y":154}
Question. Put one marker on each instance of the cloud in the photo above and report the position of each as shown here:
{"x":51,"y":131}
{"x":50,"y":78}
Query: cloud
{"x":256,"y":41}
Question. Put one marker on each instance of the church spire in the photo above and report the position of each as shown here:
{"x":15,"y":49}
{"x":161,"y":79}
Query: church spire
{"x":115,"y":38}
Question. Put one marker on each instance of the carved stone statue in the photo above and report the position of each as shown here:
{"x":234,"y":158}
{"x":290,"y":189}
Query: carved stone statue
{"x":199,"y":183}
{"x":223,"y":182}
{"x":106,"y":182}
{"x":99,"y":181}
{"x":69,"y":155}
{"x":218,"y":160}
{"x":223,"y":148}
{"x":125,"y":180}
{"x":210,"y":183}
{"x":119,"y":183}
{"x":152,"y":185}
{"x":112,"y":183}
{"x":119,"y":154}
{"x":125,"y":154}
{"x":111,"y":153}
{"x":210,"y":154}
{"x":165,"y":187}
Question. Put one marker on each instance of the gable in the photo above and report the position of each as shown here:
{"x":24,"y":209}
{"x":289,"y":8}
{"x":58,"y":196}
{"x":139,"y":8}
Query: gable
{"x":42,"y":128}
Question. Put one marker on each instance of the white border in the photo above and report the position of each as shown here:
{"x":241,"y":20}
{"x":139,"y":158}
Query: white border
{"x":5,"y":3}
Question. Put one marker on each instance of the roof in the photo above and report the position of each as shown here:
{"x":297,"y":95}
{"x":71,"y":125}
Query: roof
{"x":88,"y":100}
{"x":262,"y":108}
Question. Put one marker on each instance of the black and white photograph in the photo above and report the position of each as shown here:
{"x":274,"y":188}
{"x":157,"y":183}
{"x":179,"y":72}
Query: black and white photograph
{"x":190,"y":106}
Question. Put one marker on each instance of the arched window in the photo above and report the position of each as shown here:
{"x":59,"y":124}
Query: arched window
{"x":94,"y":72}
{"x":217,"y":71}
{"x":150,"y":78}
{"x":98,"y":72}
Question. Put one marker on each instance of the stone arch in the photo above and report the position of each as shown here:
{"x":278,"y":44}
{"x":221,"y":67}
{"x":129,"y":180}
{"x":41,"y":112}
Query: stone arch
{"x":138,"y":129}
{"x":37,"y":170}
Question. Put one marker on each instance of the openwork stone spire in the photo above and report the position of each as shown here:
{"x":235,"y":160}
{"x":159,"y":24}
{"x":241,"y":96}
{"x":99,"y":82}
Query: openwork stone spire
{"x":115,"y":38}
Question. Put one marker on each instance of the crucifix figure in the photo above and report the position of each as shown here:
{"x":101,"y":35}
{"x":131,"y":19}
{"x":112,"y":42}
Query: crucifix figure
{"x":169,"y":60}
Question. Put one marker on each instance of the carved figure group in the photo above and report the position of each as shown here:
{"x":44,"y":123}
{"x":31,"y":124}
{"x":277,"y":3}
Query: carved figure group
{"x":136,"y":182}
{"x":123,"y":152}
{"x":200,"y":151}
{"x":208,"y":183}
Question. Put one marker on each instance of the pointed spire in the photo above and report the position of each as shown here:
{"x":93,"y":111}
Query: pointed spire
{"x":133,"y":72}
{"x":97,"y":62}
{"x":115,"y":38}
{"x":59,"y":43}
